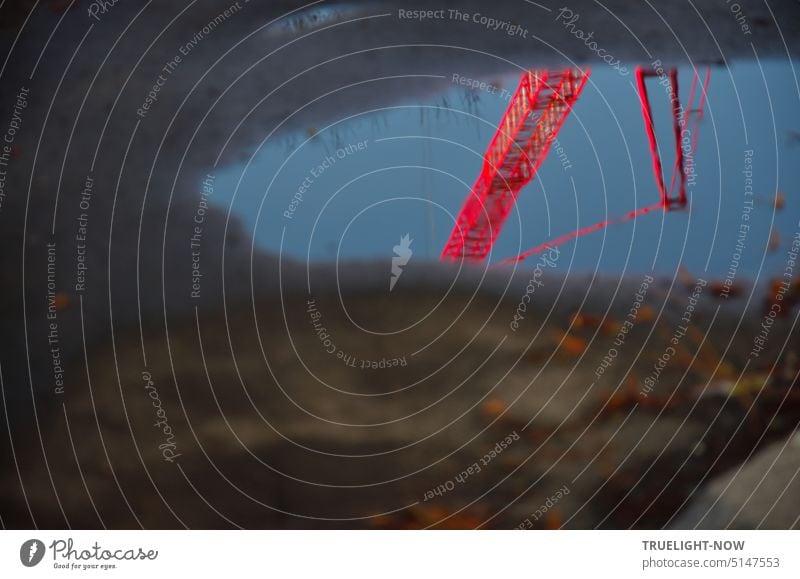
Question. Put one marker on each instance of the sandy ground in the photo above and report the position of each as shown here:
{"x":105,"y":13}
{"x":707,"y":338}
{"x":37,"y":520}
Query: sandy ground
{"x":274,"y":431}
{"x":262,"y":441}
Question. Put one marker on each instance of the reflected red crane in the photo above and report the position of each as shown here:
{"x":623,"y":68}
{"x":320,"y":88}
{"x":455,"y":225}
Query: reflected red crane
{"x":534,"y":116}
{"x":538,"y":109}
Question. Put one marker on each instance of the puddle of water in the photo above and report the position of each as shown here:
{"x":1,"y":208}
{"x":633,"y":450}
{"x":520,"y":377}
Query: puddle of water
{"x":353,"y":189}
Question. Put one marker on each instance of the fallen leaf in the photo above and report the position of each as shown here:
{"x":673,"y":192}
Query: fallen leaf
{"x":61,"y":302}
{"x":685,"y":277}
{"x":774,"y":241}
{"x":719,"y":289}
{"x":647,"y":313}
{"x":553,"y":520}
{"x":582,"y":321}
{"x":610,"y":327}
{"x":573,"y":345}
{"x":493,"y":408}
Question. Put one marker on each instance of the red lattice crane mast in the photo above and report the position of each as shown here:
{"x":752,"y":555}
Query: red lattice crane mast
{"x":680,"y":127}
{"x":535,"y":114}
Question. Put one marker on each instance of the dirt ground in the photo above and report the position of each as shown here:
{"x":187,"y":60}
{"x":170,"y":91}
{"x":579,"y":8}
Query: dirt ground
{"x":272,"y":430}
